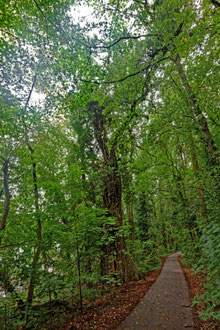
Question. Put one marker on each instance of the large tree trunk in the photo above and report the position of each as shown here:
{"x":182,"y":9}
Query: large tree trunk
{"x":123,"y":266}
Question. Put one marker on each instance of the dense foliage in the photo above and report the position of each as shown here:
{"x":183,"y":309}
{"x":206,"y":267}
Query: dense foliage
{"x":109,"y":139}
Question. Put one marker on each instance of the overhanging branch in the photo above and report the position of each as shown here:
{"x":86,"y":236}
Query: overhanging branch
{"x":123,"y":38}
{"x":126,"y":77}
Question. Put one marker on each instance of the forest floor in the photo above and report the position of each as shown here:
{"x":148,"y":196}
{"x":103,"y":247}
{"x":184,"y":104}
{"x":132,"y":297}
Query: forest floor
{"x":196,"y":288}
{"x":109,"y":311}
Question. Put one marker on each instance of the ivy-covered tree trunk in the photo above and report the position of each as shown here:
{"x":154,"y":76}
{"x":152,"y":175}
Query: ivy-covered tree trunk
{"x":195,"y":163}
{"x":123,"y":266}
{"x":143,"y":217}
{"x":210,"y":146}
{"x":131,"y":220}
{"x":129,"y":203}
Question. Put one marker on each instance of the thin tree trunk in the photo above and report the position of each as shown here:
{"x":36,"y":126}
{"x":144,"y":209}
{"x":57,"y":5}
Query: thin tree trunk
{"x":7,"y":195}
{"x":36,"y":257}
{"x":164,"y":233}
{"x":131,"y":221}
{"x":196,"y":173}
{"x":37,"y":253}
{"x":79,"y":274}
{"x":4,"y":277}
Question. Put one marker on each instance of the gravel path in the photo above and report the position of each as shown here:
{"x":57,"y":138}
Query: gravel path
{"x":166,"y":305}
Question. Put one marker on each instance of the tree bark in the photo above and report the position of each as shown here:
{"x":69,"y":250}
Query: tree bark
{"x":123,"y":266}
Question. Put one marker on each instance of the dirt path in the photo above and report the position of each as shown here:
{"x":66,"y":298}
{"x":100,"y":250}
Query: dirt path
{"x":166,"y":305}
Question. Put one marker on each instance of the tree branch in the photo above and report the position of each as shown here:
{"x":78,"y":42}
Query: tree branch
{"x":215,"y":3}
{"x":1,"y":192}
{"x":126,"y":77}
{"x":23,"y":111}
{"x":30,"y":93}
{"x":123,"y":38}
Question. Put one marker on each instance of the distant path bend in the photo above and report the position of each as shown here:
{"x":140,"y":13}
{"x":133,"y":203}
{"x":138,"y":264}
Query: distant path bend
{"x":167,"y":303}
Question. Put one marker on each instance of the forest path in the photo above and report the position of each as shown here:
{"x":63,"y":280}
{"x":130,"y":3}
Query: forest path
{"x":167,"y":303}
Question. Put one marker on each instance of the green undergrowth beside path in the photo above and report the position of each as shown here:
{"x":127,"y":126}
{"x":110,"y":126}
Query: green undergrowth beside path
{"x":205,"y":259}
